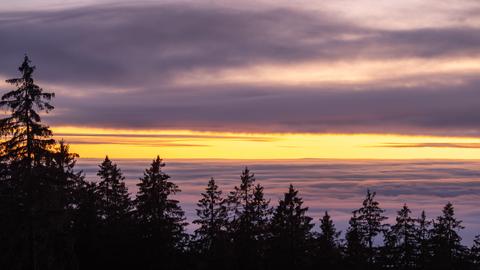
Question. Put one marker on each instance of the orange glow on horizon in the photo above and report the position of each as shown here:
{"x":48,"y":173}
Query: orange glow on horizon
{"x":175,"y":144}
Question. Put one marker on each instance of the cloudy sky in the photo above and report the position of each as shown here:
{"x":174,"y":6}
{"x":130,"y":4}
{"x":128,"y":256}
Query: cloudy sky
{"x":254,"y":79}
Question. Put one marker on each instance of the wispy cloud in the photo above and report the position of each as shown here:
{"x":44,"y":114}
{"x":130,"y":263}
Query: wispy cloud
{"x":436,"y":145}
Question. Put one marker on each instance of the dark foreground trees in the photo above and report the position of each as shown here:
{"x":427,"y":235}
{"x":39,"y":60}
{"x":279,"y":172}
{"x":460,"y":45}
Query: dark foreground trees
{"x":51,"y":217}
{"x":211,"y":239}
{"x":291,"y":236}
{"x":160,"y":219}
{"x":34,"y":183}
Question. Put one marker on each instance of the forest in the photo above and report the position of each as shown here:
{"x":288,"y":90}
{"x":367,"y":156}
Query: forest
{"x":51,"y":217}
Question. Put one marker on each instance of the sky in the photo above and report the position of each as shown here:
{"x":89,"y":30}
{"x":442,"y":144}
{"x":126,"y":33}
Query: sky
{"x":266,"y":79}
{"x":303,"y":92}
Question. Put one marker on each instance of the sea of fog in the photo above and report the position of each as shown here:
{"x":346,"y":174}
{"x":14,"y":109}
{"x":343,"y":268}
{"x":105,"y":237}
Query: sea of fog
{"x":338,"y":186}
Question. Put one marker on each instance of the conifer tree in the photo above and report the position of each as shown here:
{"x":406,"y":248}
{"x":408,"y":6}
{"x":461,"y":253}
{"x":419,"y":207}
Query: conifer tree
{"x":328,"y":249}
{"x":401,"y":245}
{"x":114,"y":209}
{"x":259,"y":211}
{"x":291,"y":231}
{"x":249,"y":212}
{"x":356,"y":251}
{"x":161,"y":219}
{"x":83,"y":207}
{"x":114,"y":201}
{"x":212,"y":216}
{"x":328,"y":233}
{"x":37,"y":186}
{"x":240,"y":198}
{"x":211,"y":236}
{"x":424,"y":241}
{"x":475,"y":253}
{"x":370,"y":219}
{"x":27,"y":139}
{"x":61,"y":164}
{"x":449,"y":253}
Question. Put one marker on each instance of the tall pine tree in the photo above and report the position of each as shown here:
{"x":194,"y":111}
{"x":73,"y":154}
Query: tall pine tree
{"x":249,"y":212}
{"x":27,"y":139}
{"x":37,"y":186}
{"x":449,"y":253}
{"x":401,"y":242}
{"x":161,"y":219}
{"x":356,"y":250}
{"x":370,"y":219}
{"x":114,"y":208}
{"x":291,"y":232}
{"x":211,"y":236}
{"x":423,"y":239}
{"x":475,"y":253}
{"x":114,"y":201}
{"x":328,"y":252}
{"x":248,"y":216}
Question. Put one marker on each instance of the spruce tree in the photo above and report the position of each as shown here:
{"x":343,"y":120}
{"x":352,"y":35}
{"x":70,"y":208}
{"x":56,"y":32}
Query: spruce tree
{"x":161,"y":219}
{"x":259,"y":211}
{"x":62,"y":169}
{"x":211,"y":235}
{"x":27,"y":139}
{"x":114,"y":209}
{"x":328,"y":244}
{"x":401,"y":241}
{"x":83,"y":209}
{"x":114,"y":201}
{"x":37,"y":187}
{"x":370,"y":219}
{"x":291,"y":232}
{"x":475,"y":253}
{"x":328,"y":233}
{"x":424,"y":241}
{"x":449,"y":253}
{"x":249,"y":212}
{"x":240,"y":198}
{"x":212,"y":216}
{"x":356,"y":250}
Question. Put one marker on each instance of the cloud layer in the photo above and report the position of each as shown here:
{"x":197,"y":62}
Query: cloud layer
{"x":121,"y":66}
{"x":338,"y":186}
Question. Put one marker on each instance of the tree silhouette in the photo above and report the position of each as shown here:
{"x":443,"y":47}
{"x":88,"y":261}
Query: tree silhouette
{"x":249,"y":212}
{"x":114,"y":201}
{"x":160,"y":217}
{"x":291,"y":231}
{"x":28,"y":140}
{"x":423,"y":239}
{"x":115,"y":209}
{"x":37,"y":184}
{"x":401,"y":242}
{"x":328,"y":251}
{"x":83,"y":207}
{"x":211,"y":236}
{"x":370,"y":218}
{"x":448,"y":251}
{"x":475,"y":253}
{"x":356,"y":252}
{"x":241,"y":196}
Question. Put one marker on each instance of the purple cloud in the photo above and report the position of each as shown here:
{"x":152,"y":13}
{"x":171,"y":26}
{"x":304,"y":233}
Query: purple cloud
{"x":135,"y":52}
